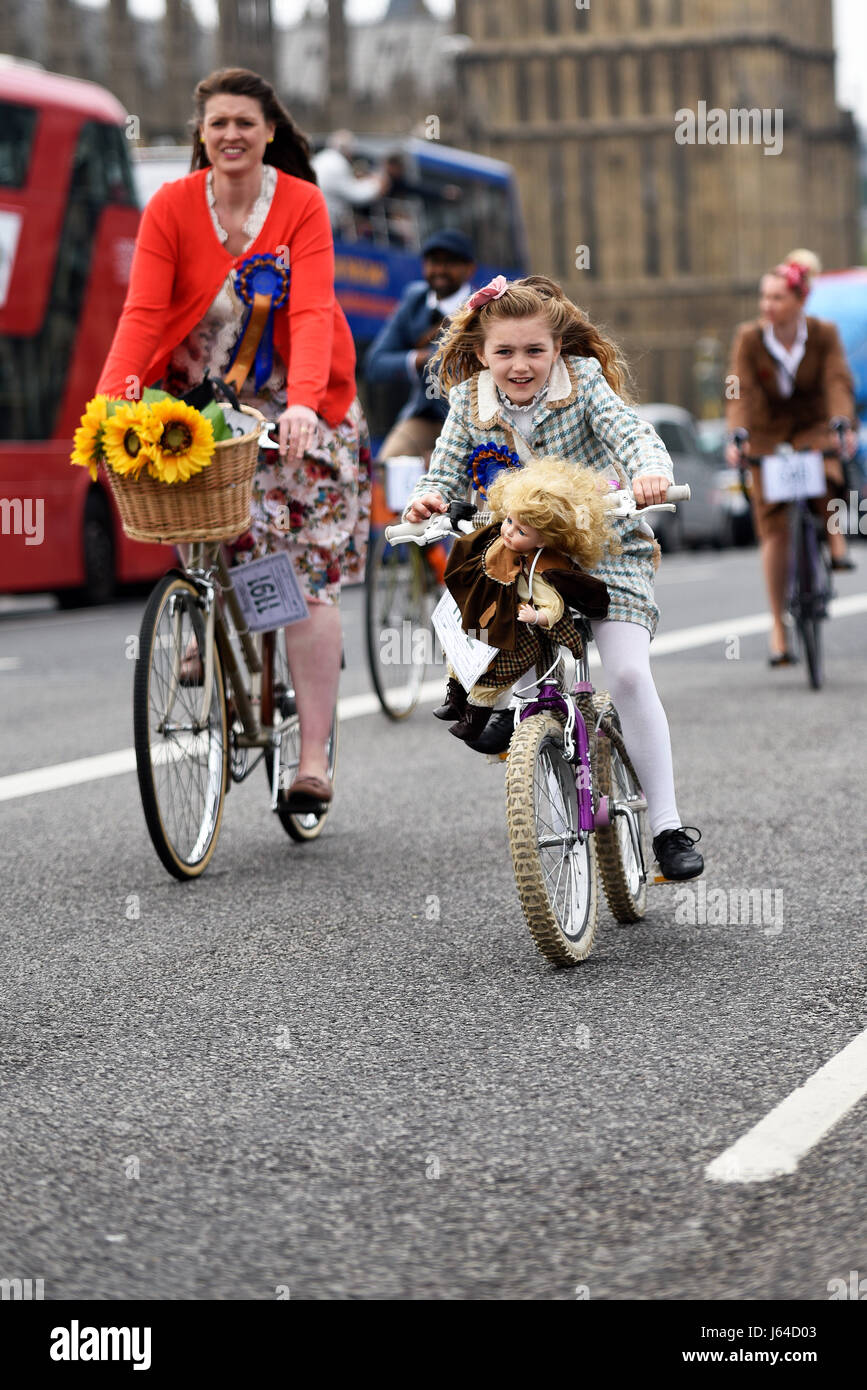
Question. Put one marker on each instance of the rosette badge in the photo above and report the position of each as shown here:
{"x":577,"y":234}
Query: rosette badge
{"x":262,"y":284}
{"x":486,"y":461}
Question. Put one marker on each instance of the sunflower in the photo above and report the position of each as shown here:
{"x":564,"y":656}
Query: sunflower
{"x":129,"y":438}
{"x":88,"y":436}
{"x":186,"y":444}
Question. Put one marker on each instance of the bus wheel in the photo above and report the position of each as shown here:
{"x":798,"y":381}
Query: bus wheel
{"x":98,"y":545}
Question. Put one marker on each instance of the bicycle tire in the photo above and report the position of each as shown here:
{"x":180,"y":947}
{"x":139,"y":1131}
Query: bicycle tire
{"x":299,"y":826}
{"x":622,"y":880}
{"x":398,"y":597}
{"x":809,"y":600}
{"x":183,"y":808}
{"x":542,"y":814}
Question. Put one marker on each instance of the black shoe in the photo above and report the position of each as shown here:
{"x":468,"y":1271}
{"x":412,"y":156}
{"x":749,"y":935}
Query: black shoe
{"x":843,"y":562}
{"x":676,"y":853}
{"x":455,"y":702}
{"x":786,"y":658}
{"x":497,"y":733}
{"x":471,"y":722}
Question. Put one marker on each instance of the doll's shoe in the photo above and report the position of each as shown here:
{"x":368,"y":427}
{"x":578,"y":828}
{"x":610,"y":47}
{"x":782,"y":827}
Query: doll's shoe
{"x":471,"y":722}
{"x":497,"y":733}
{"x":455,"y":702}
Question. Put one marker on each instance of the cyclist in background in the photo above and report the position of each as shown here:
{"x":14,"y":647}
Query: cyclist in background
{"x":792,"y":379}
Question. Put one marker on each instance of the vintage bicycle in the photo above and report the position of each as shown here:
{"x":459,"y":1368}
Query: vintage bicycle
{"x":402,"y":586}
{"x":797,"y":477}
{"x":574,"y":807}
{"x":212,"y":693}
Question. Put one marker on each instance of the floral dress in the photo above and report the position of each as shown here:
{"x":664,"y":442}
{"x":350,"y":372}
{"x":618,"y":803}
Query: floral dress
{"x":326,"y":494}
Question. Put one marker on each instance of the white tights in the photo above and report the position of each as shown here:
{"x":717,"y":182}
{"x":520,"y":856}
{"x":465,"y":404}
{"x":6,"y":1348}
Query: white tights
{"x":625,"y":652}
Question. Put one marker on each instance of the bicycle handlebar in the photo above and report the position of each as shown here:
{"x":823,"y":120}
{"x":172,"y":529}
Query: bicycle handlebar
{"x":439,"y":524}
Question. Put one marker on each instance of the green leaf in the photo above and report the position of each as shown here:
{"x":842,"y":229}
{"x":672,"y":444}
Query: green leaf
{"x":151,"y":394}
{"x":213,"y":413}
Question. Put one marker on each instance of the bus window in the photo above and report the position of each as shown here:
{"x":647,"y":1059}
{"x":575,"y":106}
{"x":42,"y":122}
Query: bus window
{"x":34,"y":370}
{"x":17,"y":128}
{"x":480,"y":207}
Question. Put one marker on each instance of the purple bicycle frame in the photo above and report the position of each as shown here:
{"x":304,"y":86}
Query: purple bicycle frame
{"x":550,"y":699}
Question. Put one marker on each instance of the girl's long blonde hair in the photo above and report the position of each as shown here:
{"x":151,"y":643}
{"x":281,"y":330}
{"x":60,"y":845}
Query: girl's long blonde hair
{"x":563,"y":501}
{"x":457,"y":356}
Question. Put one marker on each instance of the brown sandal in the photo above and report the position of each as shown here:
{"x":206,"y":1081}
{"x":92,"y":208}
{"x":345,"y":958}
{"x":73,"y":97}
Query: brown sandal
{"x":309,"y":794}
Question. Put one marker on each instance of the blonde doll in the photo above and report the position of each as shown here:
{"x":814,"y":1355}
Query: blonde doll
{"x":515,"y":579}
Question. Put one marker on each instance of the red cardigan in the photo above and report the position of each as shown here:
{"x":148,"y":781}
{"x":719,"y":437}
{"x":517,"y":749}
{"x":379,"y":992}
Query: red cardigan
{"x":180,"y":264}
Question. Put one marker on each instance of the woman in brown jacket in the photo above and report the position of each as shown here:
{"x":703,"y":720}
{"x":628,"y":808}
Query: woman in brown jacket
{"x":792,"y":379}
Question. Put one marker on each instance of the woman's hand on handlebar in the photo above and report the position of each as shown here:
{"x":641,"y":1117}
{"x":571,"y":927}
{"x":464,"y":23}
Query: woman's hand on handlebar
{"x":650,"y":490}
{"x":298,"y":431}
{"x":422,"y":507}
{"x":733,"y":456}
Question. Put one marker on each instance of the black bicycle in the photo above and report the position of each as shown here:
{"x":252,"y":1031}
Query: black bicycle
{"x":797,"y":477}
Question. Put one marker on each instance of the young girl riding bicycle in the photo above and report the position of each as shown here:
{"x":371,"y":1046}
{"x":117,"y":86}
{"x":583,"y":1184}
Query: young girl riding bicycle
{"x":528,"y":373}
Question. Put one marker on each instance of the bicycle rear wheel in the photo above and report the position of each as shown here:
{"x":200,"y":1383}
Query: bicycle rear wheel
{"x":623,"y":865}
{"x":181,"y":758}
{"x":554,"y":861}
{"x":399,"y":602}
{"x":810,"y":597}
{"x":300,"y":826}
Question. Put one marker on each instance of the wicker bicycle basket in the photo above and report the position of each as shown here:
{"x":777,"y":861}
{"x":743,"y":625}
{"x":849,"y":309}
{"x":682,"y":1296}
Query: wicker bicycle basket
{"x":213,"y":505}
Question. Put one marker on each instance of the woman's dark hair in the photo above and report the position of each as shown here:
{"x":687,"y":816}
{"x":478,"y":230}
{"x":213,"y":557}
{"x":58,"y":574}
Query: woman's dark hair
{"x":289,"y":150}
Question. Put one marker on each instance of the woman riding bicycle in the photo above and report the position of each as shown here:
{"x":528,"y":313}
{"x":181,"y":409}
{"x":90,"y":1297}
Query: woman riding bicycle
{"x":250,"y":204}
{"x":792,"y":380}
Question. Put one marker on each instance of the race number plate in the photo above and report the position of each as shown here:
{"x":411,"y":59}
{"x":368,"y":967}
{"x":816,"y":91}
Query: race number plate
{"x":791,"y":477}
{"x":401,"y":475}
{"x":268,"y":593}
{"x":468,"y":657}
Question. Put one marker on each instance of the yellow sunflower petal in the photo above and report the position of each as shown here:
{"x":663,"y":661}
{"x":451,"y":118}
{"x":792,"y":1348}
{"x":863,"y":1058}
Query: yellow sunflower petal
{"x":186,"y":443}
{"x":88,"y":436}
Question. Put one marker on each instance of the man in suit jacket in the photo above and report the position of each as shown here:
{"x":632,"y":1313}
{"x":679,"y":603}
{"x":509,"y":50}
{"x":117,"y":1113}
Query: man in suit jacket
{"x":405,"y":344}
{"x":793,"y":378}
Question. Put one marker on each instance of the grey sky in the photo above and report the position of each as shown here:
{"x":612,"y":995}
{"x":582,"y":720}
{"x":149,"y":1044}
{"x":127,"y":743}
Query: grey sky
{"x":850,"y":33}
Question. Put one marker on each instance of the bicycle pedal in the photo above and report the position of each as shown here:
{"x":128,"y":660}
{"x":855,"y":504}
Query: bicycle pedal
{"x":660,"y":878}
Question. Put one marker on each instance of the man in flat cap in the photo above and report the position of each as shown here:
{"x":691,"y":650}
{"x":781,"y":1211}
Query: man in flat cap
{"x":404,"y":345}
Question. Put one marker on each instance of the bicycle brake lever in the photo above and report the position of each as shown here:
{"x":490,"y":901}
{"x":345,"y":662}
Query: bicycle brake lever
{"x":265,"y":440}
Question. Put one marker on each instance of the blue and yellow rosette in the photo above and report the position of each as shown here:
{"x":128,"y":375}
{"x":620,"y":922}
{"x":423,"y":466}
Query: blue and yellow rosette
{"x":262,"y":284}
{"x":486,"y":461}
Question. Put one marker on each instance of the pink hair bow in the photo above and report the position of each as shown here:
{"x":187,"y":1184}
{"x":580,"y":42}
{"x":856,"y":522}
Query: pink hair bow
{"x":493,"y":290}
{"x":797,"y":277}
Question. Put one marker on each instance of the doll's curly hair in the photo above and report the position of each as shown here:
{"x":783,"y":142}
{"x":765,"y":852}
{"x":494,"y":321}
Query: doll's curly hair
{"x":563,"y":501}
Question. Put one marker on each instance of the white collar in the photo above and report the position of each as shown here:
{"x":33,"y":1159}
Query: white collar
{"x":451,"y":302}
{"x":559,"y":385}
{"x":788,"y":359}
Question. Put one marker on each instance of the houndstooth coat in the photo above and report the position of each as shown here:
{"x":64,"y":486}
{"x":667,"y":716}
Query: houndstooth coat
{"x":582,"y":420}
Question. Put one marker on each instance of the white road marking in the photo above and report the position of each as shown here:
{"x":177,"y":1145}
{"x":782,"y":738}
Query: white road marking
{"x":9,"y":663}
{"x":49,"y":779}
{"x":777,"y":1143}
{"x":42,"y":779}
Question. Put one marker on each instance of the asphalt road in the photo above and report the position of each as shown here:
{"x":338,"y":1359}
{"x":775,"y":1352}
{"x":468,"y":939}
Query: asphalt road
{"x":342,"y":1069}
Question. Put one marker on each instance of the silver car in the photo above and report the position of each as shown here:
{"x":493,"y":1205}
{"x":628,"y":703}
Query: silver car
{"x":713,"y":516}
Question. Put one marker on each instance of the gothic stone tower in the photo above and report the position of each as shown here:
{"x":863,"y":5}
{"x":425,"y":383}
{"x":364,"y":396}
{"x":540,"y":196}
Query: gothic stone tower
{"x":668,"y":151}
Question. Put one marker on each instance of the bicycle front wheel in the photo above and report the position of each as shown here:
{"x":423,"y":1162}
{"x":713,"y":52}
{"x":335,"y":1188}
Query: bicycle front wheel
{"x":554,"y":861}
{"x":810,"y":598}
{"x":399,"y":602}
{"x":622,"y":853}
{"x":181,"y":742}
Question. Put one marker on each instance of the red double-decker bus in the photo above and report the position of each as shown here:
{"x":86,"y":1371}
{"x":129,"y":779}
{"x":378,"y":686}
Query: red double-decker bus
{"x":68,"y":220}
